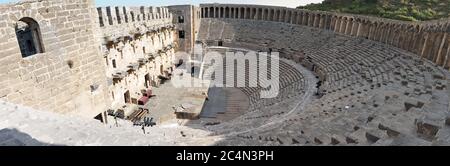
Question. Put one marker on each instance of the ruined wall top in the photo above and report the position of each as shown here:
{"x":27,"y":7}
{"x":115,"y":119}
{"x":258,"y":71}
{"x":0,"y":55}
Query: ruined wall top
{"x":122,"y":15}
{"x":121,"y":21}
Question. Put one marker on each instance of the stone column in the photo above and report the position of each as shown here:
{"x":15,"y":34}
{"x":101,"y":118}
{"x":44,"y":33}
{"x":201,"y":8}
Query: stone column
{"x":305,"y":18}
{"x":441,"y":47}
{"x":381,"y":29}
{"x":359,"y":29}
{"x":447,"y":57}
{"x":321,"y":19}
{"x":238,"y":12}
{"x":103,"y":17}
{"x":232,"y":12}
{"x":285,"y":17}
{"x":337,"y":25}
{"x":424,"y":46}
{"x":221,"y":12}
{"x":326,"y":24}
{"x":342,"y":26}
{"x":387,"y":33}
{"x":419,"y":43}
{"x":110,"y":16}
{"x":333,"y":23}
{"x":257,"y":14}
{"x":412,"y":42}
{"x":354,"y":28}
{"x":434,"y":46}
{"x":294,"y":17}
{"x":348,"y":26}
{"x":406,"y":38}
{"x":392,"y":34}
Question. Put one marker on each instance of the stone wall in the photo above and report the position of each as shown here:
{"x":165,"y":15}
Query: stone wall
{"x":138,"y":45}
{"x":190,"y":24}
{"x":69,"y":75}
{"x":428,"y":40}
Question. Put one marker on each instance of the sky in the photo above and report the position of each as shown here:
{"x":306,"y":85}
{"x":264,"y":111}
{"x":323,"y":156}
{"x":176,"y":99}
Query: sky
{"x":287,"y":3}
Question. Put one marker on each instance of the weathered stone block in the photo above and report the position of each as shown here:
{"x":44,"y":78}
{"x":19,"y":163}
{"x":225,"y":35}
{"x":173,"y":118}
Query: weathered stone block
{"x":390,"y":132}
{"x":427,"y":130}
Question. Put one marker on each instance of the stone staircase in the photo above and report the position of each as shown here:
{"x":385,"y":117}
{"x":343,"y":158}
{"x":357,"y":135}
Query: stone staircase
{"x":23,"y":126}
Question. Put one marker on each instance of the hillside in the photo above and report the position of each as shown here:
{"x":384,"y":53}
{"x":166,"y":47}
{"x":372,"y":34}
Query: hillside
{"x":407,"y":10}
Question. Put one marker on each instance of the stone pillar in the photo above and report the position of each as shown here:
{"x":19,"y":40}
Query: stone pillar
{"x":218,"y":12}
{"x":110,"y":15}
{"x":257,"y":14}
{"x":393,"y":31}
{"x":369,"y":30}
{"x":420,"y":39}
{"x":348,"y":26}
{"x":232,"y":12}
{"x":376,"y":30}
{"x":294,"y":17}
{"x":305,"y":19}
{"x":359,"y":29}
{"x":447,"y":57}
{"x":105,"y":117}
{"x":405,"y":39}
{"x":222,"y":12}
{"x":102,"y":16}
{"x":398,"y":37}
{"x":387,"y":33}
{"x":354,"y":28}
{"x":300,"y":18}
{"x":203,"y":12}
{"x":424,"y":46}
{"x":238,"y":12}
{"x":119,"y":15}
{"x":321,"y":19}
{"x":333,"y":23}
{"x":286,"y":16}
{"x":311,"y":20}
{"x":342,"y":26}
{"x":315,"y":20}
{"x":434,"y":46}
{"x":380,"y":30}
{"x":337,"y":25}
{"x":245,"y":13}
{"x":441,"y":51}
{"x":327,"y":22}
{"x":412,"y":42}
{"x":281,"y":16}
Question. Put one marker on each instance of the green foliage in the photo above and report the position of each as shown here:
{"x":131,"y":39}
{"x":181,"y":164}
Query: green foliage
{"x":407,"y":10}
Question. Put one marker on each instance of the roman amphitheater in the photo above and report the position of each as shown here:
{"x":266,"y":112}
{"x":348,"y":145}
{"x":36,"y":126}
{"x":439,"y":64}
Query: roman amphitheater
{"x":76,"y":74}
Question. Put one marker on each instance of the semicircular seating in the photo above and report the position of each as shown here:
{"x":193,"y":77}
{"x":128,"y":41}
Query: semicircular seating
{"x":372,"y":93}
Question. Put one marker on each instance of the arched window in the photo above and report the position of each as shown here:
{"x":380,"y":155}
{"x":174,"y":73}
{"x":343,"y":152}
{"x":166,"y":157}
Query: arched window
{"x":181,"y":34}
{"x":114,"y":63}
{"x":180,"y":19}
{"x":29,"y":37}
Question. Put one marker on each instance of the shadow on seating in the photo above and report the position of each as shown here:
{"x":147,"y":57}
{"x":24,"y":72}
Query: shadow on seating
{"x":14,"y":137}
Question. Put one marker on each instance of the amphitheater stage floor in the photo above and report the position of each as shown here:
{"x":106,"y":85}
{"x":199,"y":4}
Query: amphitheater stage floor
{"x":168,"y":98}
{"x":224,"y":104}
